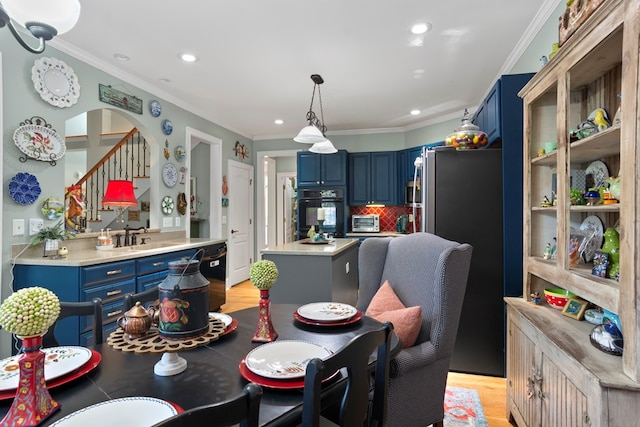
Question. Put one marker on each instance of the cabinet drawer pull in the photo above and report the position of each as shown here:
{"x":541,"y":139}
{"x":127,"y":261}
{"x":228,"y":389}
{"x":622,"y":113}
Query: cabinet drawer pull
{"x":112,"y":293}
{"x":114,"y":313}
{"x":157,"y":264}
{"x":112,"y":272}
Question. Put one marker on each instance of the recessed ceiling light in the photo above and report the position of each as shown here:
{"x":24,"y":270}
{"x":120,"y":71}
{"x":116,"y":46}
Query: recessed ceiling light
{"x":121,"y":56}
{"x":278,"y":121}
{"x":188,"y":57}
{"x":415,"y":112}
{"x":421,"y":28}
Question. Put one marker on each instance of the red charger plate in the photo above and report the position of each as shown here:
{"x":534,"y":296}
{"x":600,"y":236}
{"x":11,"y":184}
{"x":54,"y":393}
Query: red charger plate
{"x":356,"y":317}
{"x":91,"y":364}
{"x":248,"y":375}
{"x":232,"y":327}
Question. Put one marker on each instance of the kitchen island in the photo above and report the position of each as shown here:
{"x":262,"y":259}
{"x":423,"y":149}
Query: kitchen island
{"x":315,"y":272}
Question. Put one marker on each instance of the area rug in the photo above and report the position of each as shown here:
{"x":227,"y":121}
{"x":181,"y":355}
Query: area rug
{"x":462,"y":407}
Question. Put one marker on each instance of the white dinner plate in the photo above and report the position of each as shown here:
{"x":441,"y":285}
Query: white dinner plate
{"x":327,"y":311}
{"x":58,"y":361}
{"x":220,"y":316}
{"x":127,"y":411}
{"x":284,"y":359}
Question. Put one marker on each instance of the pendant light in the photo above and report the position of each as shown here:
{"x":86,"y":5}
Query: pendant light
{"x":44,"y":19}
{"x":314,"y":132}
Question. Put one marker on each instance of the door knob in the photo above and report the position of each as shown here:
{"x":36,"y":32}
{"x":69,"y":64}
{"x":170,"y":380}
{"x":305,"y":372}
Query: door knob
{"x":234,"y":231}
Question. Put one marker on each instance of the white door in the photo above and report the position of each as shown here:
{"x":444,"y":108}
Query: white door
{"x":240,"y":229}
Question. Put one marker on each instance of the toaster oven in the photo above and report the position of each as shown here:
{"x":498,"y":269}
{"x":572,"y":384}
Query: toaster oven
{"x":365,"y":223}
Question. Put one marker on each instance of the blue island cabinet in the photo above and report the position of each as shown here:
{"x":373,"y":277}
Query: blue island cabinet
{"x":322,"y":170}
{"x":372,"y":178}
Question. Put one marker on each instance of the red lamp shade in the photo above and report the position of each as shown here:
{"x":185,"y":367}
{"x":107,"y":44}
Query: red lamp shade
{"x":119,"y":194}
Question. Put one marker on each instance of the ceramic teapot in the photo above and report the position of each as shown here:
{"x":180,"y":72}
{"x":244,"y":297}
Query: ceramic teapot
{"x":137,"y":321}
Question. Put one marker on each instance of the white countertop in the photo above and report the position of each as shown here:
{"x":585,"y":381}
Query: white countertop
{"x":79,"y":257}
{"x":304,"y":247}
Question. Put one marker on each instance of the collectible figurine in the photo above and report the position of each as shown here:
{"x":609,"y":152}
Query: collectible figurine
{"x":535,"y":298}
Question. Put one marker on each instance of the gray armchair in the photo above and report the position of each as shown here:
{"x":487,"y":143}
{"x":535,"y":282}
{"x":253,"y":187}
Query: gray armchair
{"x":429,"y":271}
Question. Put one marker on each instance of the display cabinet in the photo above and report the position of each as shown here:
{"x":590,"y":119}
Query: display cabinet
{"x":596,"y":65}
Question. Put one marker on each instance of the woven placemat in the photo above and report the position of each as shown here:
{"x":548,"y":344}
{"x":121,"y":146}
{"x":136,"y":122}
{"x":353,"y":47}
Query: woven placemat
{"x":152,"y":342}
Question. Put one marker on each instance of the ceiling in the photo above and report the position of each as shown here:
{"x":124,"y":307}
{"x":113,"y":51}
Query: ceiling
{"x":256,"y":57}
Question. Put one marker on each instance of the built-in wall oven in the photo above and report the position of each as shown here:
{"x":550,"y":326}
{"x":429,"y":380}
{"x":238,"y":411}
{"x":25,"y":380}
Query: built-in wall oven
{"x":332,"y":203}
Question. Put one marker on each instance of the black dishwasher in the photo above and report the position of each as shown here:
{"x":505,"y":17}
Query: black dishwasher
{"x":213,"y":267}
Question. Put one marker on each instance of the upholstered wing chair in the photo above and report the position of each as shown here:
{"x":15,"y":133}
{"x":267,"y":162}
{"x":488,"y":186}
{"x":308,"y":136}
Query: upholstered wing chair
{"x":428,"y":271}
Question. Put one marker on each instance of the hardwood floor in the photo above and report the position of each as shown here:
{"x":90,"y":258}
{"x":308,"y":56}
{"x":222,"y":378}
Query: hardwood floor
{"x":492,"y":390}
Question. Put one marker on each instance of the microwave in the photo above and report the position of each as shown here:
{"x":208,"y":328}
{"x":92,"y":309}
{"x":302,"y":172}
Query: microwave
{"x":411,"y":189}
{"x":365,"y":223}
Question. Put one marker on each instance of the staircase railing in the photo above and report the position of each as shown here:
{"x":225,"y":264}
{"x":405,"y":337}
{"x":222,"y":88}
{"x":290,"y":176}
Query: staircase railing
{"x":126,"y":160}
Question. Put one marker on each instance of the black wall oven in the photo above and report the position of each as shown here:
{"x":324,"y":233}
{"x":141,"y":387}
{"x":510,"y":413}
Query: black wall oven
{"x":331,"y":201}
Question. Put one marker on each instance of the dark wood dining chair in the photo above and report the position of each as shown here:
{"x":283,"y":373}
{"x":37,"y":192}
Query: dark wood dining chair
{"x":69,"y":309}
{"x":145,"y":297}
{"x":243,"y":409}
{"x":355,"y":406}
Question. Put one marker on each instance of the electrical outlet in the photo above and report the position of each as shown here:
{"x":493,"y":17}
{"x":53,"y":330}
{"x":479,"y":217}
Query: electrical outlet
{"x":18,"y":227}
{"x":177,"y":221}
{"x":35,"y":225}
{"x":167,"y":221}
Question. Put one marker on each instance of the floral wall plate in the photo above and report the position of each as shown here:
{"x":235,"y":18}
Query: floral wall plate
{"x":24,"y":188}
{"x":39,"y":142}
{"x":56,"y":82}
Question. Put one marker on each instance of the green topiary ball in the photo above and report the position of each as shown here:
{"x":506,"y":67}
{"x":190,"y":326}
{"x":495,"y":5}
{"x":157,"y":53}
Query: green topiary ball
{"x":29,"y":311}
{"x":263,"y":274}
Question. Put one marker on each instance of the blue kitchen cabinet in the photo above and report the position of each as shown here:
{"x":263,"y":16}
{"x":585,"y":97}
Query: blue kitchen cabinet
{"x":109,"y":281}
{"x":322,"y":170}
{"x":372,"y":178}
{"x":499,"y":111}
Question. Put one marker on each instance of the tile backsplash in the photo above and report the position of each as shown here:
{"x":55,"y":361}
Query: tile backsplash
{"x":388,"y":215}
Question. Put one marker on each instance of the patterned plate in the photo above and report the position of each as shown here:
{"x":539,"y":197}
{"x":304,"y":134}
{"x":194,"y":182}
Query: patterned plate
{"x":283,"y":359}
{"x":58,"y":361}
{"x":39,"y":142}
{"x":327,"y":311}
{"x":24,"y":188}
{"x":592,"y":223}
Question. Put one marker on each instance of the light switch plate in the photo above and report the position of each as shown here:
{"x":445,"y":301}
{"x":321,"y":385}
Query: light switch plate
{"x":167,"y":222}
{"x":177,"y":221}
{"x":35,"y":225}
{"x":18,"y":227}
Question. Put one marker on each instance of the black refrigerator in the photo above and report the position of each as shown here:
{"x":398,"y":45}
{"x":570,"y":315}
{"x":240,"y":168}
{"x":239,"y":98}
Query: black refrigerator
{"x":462,"y":200}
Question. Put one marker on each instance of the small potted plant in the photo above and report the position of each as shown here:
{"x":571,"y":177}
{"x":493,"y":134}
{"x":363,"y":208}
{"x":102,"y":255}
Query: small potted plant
{"x":50,"y":236}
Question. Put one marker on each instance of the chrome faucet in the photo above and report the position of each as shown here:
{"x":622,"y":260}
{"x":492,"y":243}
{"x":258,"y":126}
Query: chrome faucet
{"x":130,"y":239}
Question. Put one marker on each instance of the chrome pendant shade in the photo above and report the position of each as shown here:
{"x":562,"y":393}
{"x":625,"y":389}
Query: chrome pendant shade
{"x":44,"y":19}
{"x":314,"y":132}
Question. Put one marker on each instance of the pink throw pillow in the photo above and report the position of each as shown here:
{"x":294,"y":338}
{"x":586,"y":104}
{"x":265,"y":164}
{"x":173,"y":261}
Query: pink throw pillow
{"x":385,"y":306}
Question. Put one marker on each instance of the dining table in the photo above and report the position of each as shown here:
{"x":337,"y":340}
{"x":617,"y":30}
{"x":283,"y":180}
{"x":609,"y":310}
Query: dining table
{"x":213,"y":370}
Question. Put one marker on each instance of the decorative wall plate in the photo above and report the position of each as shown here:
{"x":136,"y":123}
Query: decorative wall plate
{"x":24,"y":188}
{"x":39,"y":142}
{"x":169,"y":175}
{"x":155,"y":109}
{"x":52,"y":208}
{"x":167,"y":127}
{"x":167,"y":205}
{"x":180,"y":153}
{"x":56,"y":82}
